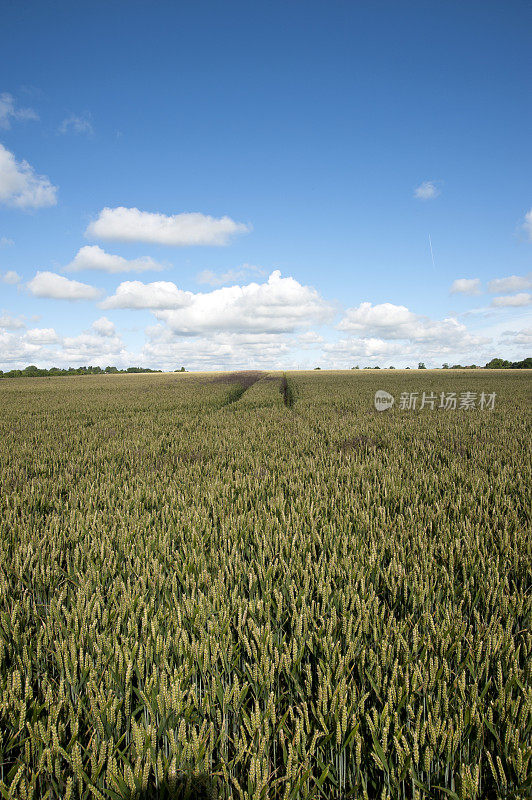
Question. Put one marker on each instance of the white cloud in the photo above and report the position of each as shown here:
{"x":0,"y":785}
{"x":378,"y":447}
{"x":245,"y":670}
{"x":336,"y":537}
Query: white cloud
{"x":21,"y":187}
{"x":11,"y":277}
{"x":159,"y":294}
{"x":527,"y":225}
{"x":512,"y":300}
{"x":5,"y":241}
{"x":521,"y":338}
{"x":279,"y":305}
{"x":309,"y":338}
{"x":77,"y":124}
{"x":41,"y":336}
{"x":49,"y":284}
{"x":10,"y":113}
{"x":93,"y":257}
{"x":99,"y":345}
{"x":104,"y":327}
{"x":514,"y":283}
{"x":371,"y":347}
{"x":218,"y":351}
{"x":16,"y":351}
{"x":10,"y":322}
{"x":388,"y":322}
{"x":426,"y":190}
{"x":346,"y":352}
{"x":93,"y":348}
{"x":466,"y":286}
{"x":132,"y":225}
{"x":211,"y":278}
{"x":386,"y":316}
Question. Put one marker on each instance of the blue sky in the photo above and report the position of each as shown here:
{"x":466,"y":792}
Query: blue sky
{"x":318,"y":146}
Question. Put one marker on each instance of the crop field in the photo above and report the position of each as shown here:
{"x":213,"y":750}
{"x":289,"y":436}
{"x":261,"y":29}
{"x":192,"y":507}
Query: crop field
{"x":259,"y":587}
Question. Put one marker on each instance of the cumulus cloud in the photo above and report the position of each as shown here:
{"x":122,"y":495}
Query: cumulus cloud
{"x":466,"y":286}
{"x":527,"y":225}
{"x":388,"y":321}
{"x":133,"y":225}
{"x":395,"y":320}
{"x":11,"y":277}
{"x":104,"y":327}
{"x":94,"y":258}
{"x":211,"y":278}
{"x":159,"y":294}
{"x":426,"y":190}
{"x":11,"y":323}
{"x":5,"y":241}
{"x":279,"y":305}
{"x":77,"y":124}
{"x":514,"y":283}
{"x":49,"y":284}
{"x":371,"y":347}
{"x":10,"y":113}
{"x":41,"y":336}
{"x":512,"y":300}
{"x":21,"y":187}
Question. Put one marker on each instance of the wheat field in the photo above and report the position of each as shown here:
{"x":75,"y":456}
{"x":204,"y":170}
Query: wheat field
{"x":256,"y":586}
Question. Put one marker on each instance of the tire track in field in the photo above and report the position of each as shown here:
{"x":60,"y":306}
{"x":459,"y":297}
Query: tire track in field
{"x":287,"y":391}
{"x":240,"y":382}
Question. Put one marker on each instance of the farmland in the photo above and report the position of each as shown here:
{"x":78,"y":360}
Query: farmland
{"x":260,"y":587}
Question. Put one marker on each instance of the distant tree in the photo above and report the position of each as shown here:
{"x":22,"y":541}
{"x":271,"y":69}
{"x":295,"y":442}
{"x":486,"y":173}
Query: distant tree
{"x":317,"y":367}
{"x":391,"y":367}
{"x":498,"y":363}
{"x":421,"y":365}
{"x":180,"y":370}
{"x":445,"y":366}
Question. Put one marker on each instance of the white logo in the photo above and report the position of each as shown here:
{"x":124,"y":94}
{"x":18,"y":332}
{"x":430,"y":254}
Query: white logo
{"x":383,"y":400}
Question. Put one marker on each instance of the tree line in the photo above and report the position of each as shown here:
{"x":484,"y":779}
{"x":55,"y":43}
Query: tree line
{"x":36,"y":372}
{"x":495,"y":363}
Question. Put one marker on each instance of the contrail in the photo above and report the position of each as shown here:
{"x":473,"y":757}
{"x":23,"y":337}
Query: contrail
{"x":431,"y":253}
